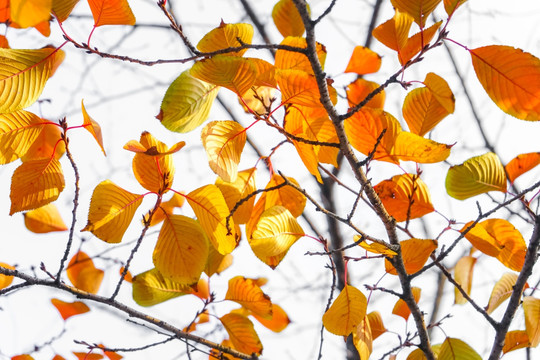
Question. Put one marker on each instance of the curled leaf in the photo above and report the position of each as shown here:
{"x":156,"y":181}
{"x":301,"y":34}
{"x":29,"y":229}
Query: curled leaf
{"x":248,"y":294}
{"x":242,"y":333}
{"x":44,"y":220}
{"x":83,"y":274}
{"x":151,"y":288}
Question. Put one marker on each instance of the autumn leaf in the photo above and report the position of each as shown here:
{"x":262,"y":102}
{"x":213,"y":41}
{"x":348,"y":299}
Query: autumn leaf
{"x":92,"y":127}
{"x":287,"y":18}
{"x":29,"y":13}
{"x":521,"y":164}
{"x":166,"y":208}
{"x":514,"y":340}
{"x":363,"y":61}
{"x":358,"y":90}
{"x":463,"y":274}
{"x":18,"y":131}
{"x":224,"y":142}
{"x":87,"y":356}
{"x":418,"y":9}
{"x":455,"y":349}
{"x":44,"y":220}
{"x":35,"y":183}
{"x":5,"y":280}
{"x":63,"y":8}
{"x":502,"y":290}
{"x":346,"y":312}
{"x":374,"y":247}
{"x":375,"y":324}
{"x":286,"y":196}
{"x":417,"y":42}
{"x":111,"y":12}
{"x":48,"y":143}
{"x":111,"y":211}
{"x":402,"y":309}
{"x":531,"y":308}
{"x":242,"y":333}
{"x":226,"y":36}
{"x":415,"y":253}
{"x":412,"y":147}
{"x":68,"y":310}
{"x":278,"y":322}
{"x":239,"y":189}
{"x":510,"y":77}
{"x":83,"y":274}
{"x":216,"y":262}
{"x":477,"y":175}
{"x":363,"y":339}
{"x":248,"y":294}
{"x":394,"y":33}
{"x":181,"y":250}
{"x":450,"y":6}
{"x":152,"y":288}
{"x":286,"y":59}
{"x":300,"y":88}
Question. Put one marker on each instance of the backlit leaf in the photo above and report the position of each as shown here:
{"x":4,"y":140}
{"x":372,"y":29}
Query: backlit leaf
{"x":417,"y":42}
{"x":346,"y":312}
{"x":455,"y":349}
{"x":477,"y":175}
{"x":300,"y":88}
{"x":511,"y":78}
{"x":187,"y":103}
{"x":111,"y":12}
{"x":83,"y":274}
{"x":248,"y":294}
{"x":111,"y":211}
{"x":286,"y":59}
{"x":62,"y":8}
{"x":225,"y":36}
{"x":359,"y":89}
{"x":394,"y":33}
{"x":18,"y":131}
{"x":531,"y":308}
{"x":44,"y":220}
{"x":401,"y":308}
{"x":415,"y":253}
{"x":502,"y":290}
{"x":23,"y":74}
{"x":211,"y":210}
{"x":463,"y":274}
{"x":412,"y":147}
{"x":68,"y":310}
{"x":482,"y":240}
{"x":87,"y":356}
{"x":363,"y":339}
{"x":514,"y":340}
{"x":521,"y":164}
{"x":257,"y":100}
{"x":235,"y":191}
{"x":167,"y":208}
{"x":242,"y":333}
{"x":22,"y":357}
{"x":48,"y":144}
{"x":375,"y":324}
{"x":363,"y":61}
{"x":35,"y":183}
{"x":92,"y":127}
{"x":286,"y":196}
{"x":224,"y":142}
{"x":418,"y":354}
{"x":418,"y":9}
{"x":181,"y":250}
{"x":29,"y":13}
{"x":5,"y":280}
{"x":278,"y":322}
{"x":151,"y":288}
{"x":217,"y":262}
{"x":405,"y":197}
{"x":287,"y":18}
{"x":375,"y":248}
{"x":450,"y":6}
{"x":276,"y":231}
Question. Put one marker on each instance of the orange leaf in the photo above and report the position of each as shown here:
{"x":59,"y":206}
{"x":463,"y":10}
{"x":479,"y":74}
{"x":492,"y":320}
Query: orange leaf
{"x":242,"y":333}
{"x":511,"y":78}
{"x":405,"y":197}
{"x":5,"y":280}
{"x":286,"y":59}
{"x":362,"y":338}
{"x":278,"y":322}
{"x":450,"y":6}
{"x":415,"y":253}
{"x":216,"y":262}
{"x":287,"y":18}
{"x":248,"y":294}
{"x":68,"y":310}
{"x":417,"y":42}
{"x":128,"y":277}
{"x":521,"y":164}
{"x":62,"y":8}
{"x":514,"y":340}
{"x":83,"y":274}
{"x":22,"y":357}
{"x":376,"y":324}
{"x":418,"y":9}
{"x":502,"y":290}
{"x":226,"y":36}
{"x":235,"y":191}
{"x":412,"y":147}
{"x":394,"y":33}
{"x":482,"y":239}
{"x":48,"y":144}
{"x":401,"y":308}
{"x":18,"y":131}
{"x":363,"y":61}
{"x":300,"y":88}
{"x":35,"y":183}
{"x":87,"y":356}
{"x":359,"y":89}
{"x":463,"y":274}
{"x":286,"y":196}
{"x":346,"y":312}
{"x":44,"y":220}
{"x":92,"y":127}
{"x":29,"y":13}
{"x":111,"y":12}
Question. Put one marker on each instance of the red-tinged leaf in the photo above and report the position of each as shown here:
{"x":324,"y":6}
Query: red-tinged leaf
{"x":23,"y":74}
{"x":235,"y":191}
{"x":286,"y":196}
{"x":450,"y":6}
{"x":224,"y":142}
{"x":463,"y":274}
{"x":531,"y":308}
{"x":405,"y":197}
{"x":286,"y":59}
{"x":364,"y":127}
{"x":418,"y":9}
{"x":22,"y":357}
{"x":394,"y":33}
{"x":521,"y":164}
{"x":4,"y":43}
{"x":92,"y":127}
{"x":362,"y":338}
{"x":151,"y":288}
{"x":417,"y":42}
{"x":363,"y":61}
{"x":242,"y":333}
{"x":502,"y":290}
{"x":287,"y":18}
{"x":29,"y":13}
{"x":401,"y":308}
{"x":376,"y":324}
{"x":111,"y":12}
{"x":48,"y":144}
{"x":477,"y":175}
{"x":511,"y":78}
{"x":111,"y":355}
{"x":300,"y":88}
{"x":514,"y":340}
{"x":455,"y":349}
{"x":63,"y":8}
{"x":248,"y":294}
{"x":35,"y":183}
{"x":68,"y":310}
{"x":346,"y":312}
{"x":83,"y":274}
{"x":44,"y":220}
{"x":87,"y":356}
{"x":211,"y":210}
{"x":415,"y":253}
{"x":58,"y":357}
{"x":111,"y":211}
{"x":5,"y":280}
{"x":18,"y":131}
{"x":412,"y":147}
{"x":359,"y":89}
{"x":226,"y":36}
{"x":278,"y":322}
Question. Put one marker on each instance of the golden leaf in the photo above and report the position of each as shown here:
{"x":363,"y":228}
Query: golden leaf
{"x":286,"y":196}
{"x":92,"y":127}
{"x":417,"y":42}
{"x":48,"y":144}
{"x":463,"y":274}
{"x":111,"y":12}
{"x":278,"y":322}
{"x":18,"y":131}
{"x":401,"y":308}
{"x":363,"y":61}
{"x":29,"y":13}
{"x":44,"y":220}
{"x":531,"y":308}
{"x":151,"y":288}
{"x":418,"y":9}
{"x":235,"y":191}
{"x":514,"y":340}
{"x":83,"y":274}
{"x":242,"y":333}
{"x":226,"y":36}
{"x":363,"y":339}
{"x":376,"y":324}
{"x":62,"y":8}
{"x":248,"y":294}
{"x":415,"y":253}
{"x":412,"y":147}
{"x":455,"y":349}
{"x":394,"y":33}
{"x":359,"y":89}
{"x":502,"y":290}
{"x":300,"y":88}
{"x":286,"y":59}
{"x":346,"y":312}
{"x":450,"y":6}
{"x":287,"y":18}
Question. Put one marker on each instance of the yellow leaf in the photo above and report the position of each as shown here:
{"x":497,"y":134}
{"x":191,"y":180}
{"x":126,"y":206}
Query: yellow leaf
{"x":405,"y":197}
{"x":62,"y":8}
{"x":44,"y":220}
{"x":29,"y":13}
{"x":300,"y":88}
{"x":23,"y":74}
{"x":242,"y":333}
{"x":401,"y":308}
{"x":151,"y":288}
{"x":68,"y":310}
{"x":111,"y":211}
{"x":286,"y":196}
{"x":363,"y":61}
{"x":477,"y":175}
{"x":514,"y":340}
{"x":257,"y":100}
{"x":375,"y":324}
{"x":167,"y":208}
{"x":224,"y":142}
{"x":35,"y":183}
{"x":235,"y":191}
{"x":111,"y":12}
{"x":418,"y":354}
{"x":455,"y":349}
{"x":418,"y":9}
{"x":287,"y":18}
{"x":5,"y":280}
{"x":83,"y":274}
{"x":92,"y":127}
{"x":346,"y":312}
{"x":248,"y":294}
{"x":216,"y":262}
{"x":511,"y":78}
{"x":278,"y":322}
{"x":18,"y":131}
{"x":423,"y":107}
{"x":463,"y":274}
{"x":450,"y":6}
{"x":286,"y":59}
{"x":502,"y":290}
{"x":359,"y":89}
{"x":521,"y":164}
{"x":276,"y":231}
{"x":48,"y":144}
{"x":258,"y":209}
{"x":415,"y":253}
{"x":531,"y":308}
{"x":412,"y":147}
{"x":363,"y":339}
{"x":181,"y":250}
{"x":394,"y":33}
{"x":211,"y":210}
{"x":482,"y":239}
{"x":375,"y":248}
{"x":226,"y":36}
{"x":417,"y":42}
